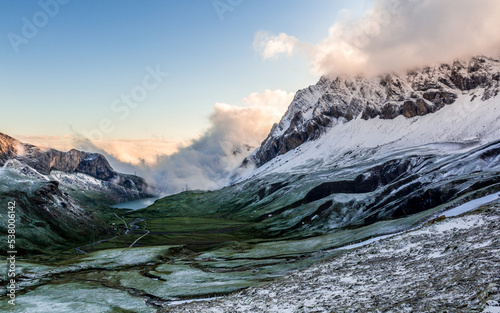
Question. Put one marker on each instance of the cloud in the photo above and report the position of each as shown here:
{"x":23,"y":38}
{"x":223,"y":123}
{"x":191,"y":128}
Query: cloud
{"x":270,"y":46}
{"x":397,"y":35}
{"x":137,"y":151}
{"x":207,"y":162}
{"x":55,"y":142}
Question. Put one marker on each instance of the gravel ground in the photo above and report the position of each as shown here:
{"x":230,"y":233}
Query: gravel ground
{"x":449,"y":265}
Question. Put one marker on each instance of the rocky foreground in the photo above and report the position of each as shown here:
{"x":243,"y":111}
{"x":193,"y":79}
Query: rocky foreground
{"x":448,"y":265}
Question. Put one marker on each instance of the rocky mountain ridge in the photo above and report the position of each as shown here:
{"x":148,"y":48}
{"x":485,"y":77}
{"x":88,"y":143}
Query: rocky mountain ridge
{"x":415,"y":93}
{"x":74,"y":161}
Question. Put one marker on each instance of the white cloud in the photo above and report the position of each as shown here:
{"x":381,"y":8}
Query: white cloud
{"x":273,"y":99}
{"x":208,"y":161}
{"x":397,"y":35}
{"x":270,"y":46}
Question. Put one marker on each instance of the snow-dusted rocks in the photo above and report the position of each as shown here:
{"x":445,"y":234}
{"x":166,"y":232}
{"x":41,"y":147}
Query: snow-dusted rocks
{"x":449,"y":265}
{"x":317,"y":108}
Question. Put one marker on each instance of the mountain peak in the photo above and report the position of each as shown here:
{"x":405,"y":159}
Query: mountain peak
{"x":8,"y":148}
{"x":343,"y":98}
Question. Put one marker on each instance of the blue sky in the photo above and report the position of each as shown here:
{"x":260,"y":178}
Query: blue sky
{"x":64,"y":79}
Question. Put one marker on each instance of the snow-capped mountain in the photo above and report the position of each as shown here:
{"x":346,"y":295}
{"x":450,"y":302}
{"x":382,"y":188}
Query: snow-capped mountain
{"x":450,"y":102}
{"x":352,"y":151}
{"x":353,"y":161}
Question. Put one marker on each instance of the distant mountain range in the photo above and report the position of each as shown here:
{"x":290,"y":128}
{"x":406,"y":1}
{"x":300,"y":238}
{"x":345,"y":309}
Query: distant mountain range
{"x":46,"y":160}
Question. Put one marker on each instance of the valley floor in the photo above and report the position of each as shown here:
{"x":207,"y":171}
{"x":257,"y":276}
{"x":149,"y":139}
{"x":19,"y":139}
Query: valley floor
{"x":448,"y":265}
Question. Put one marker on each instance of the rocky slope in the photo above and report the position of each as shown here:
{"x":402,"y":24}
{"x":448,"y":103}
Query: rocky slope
{"x":415,"y":93}
{"x":325,"y":198}
{"x":47,"y":218}
{"x":449,"y":265}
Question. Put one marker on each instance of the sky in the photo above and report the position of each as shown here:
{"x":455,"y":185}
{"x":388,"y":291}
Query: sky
{"x":66,"y":65}
{"x":394,"y":36}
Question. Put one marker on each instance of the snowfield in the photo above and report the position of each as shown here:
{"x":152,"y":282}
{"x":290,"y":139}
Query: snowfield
{"x":345,"y":142}
{"x":449,"y":265}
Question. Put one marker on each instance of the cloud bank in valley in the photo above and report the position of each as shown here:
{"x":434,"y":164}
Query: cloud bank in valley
{"x":396,"y":35}
{"x":208,"y":161}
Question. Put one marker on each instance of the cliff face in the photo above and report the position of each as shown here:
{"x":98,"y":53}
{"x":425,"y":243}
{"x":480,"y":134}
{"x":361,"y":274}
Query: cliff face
{"x":73,"y":161}
{"x":415,"y":93}
{"x":8,"y":148}
{"x":91,"y":164}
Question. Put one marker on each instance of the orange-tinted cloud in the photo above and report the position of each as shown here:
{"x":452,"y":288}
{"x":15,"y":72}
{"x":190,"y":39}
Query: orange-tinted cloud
{"x":133,"y":151}
{"x":397,"y":35}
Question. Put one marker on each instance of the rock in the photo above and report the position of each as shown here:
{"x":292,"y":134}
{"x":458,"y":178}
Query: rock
{"x":390,"y":111}
{"x":49,"y":188}
{"x":409,"y":109}
{"x":422,"y":107}
{"x":92,"y":164}
{"x":8,"y":149}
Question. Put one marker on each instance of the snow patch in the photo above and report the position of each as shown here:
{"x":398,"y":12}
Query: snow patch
{"x":472,"y":205}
